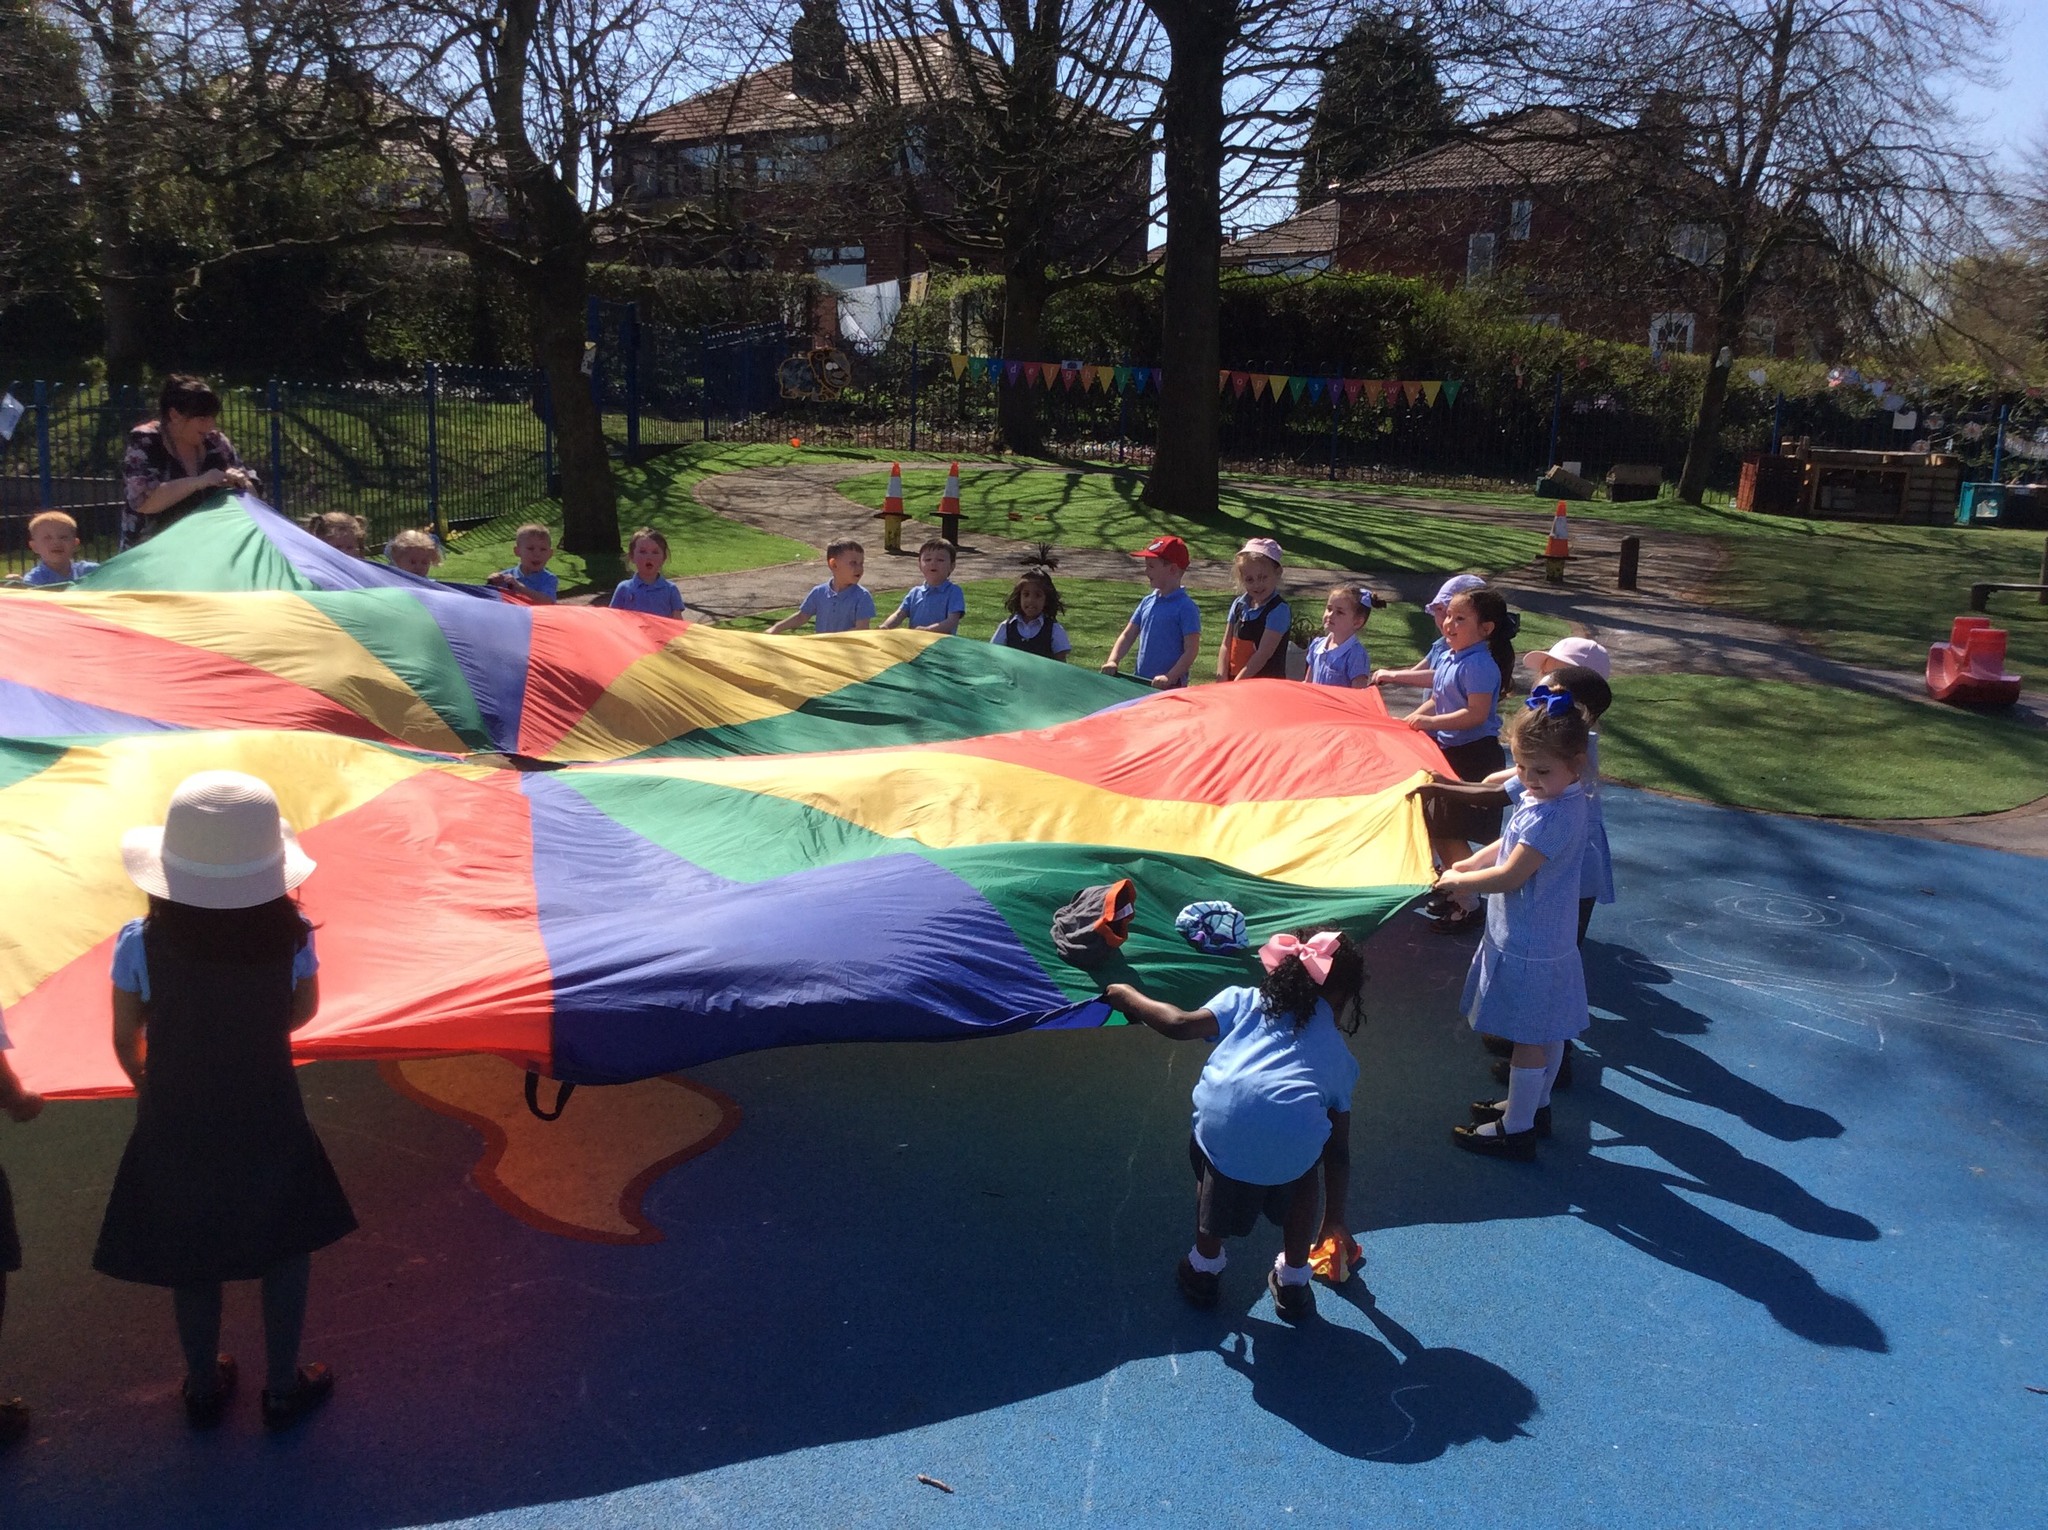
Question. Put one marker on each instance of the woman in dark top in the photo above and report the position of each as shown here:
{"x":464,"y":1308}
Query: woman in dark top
{"x":177,"y":457}
{"x":223,"y":1178}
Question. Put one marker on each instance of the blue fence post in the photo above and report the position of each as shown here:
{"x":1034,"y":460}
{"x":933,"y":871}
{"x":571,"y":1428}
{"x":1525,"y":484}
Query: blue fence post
{"x":434,"y":452}
{"x":704,"y":368}
{"x":1336,"y":394}
{"x":629,"y":342}
{"x":1997,"y":451}
{"x":276,"y":448}
{"x":913,"y":395}
{"x":1556,"y":421}
{"x":45,"y":490}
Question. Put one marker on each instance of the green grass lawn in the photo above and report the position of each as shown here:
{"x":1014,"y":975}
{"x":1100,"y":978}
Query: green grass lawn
{"x":1789,"y":748}
{"x":1100,"y":508}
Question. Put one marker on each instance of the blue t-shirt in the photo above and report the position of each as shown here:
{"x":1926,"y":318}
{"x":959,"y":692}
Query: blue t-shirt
{"x":660,"y":598}
{"x":1340,"y":665}
{"x":131,"y":966}
{"x":1165,"y":623}
{"x":42,"y":573}
{"x":841,"y":610}
{"x":1459,"y":676}
{"x":930,"y":604}
{"x":1263,"y":1101}
{"x":545,"y":582}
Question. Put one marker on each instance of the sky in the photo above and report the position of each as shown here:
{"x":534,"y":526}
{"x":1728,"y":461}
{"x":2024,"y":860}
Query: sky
{"x":2015,"y":112}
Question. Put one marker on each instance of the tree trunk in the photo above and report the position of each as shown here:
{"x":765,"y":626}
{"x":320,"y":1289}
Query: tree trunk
{"x":1017,"y":407}
{"x":590,"y":499}
{"x":1184,"y":469}
{"x":110,"y":180}
{"x":121,"y":340}
{"x":1705,"y":443}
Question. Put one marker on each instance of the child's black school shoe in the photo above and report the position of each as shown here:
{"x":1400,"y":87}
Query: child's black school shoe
{"x":1564,"y":1069}
{"x":1519,"y":1146}
{"x":14,"y":1422}
{"x":1484,"y":1111}
{"x":204,"y":1409}
{"x":1294,"y":1304}
{"x":1200,"y":1287}
{"x":281,"y":1410}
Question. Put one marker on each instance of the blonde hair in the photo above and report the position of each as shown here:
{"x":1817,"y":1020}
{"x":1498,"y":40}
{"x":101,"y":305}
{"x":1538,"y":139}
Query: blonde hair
{"x":51,"y":518}
{"x":533,"y":528}
{"x":1239,"y":562}
{"x":328,"y":522}
{"x":408,"y":539}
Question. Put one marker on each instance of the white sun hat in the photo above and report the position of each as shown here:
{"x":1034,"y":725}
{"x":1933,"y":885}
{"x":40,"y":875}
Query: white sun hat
{"x":222,"y":845}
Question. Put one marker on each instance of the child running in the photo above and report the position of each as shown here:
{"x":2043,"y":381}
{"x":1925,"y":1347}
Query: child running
{"x":938,"y":604}
{"x":53,"y":538}
{"x":1465,"y":677}
{"x":1272,"y":1108}
{"x":223,"y":1178}
{"x":1033,"y":625}
{"x":1338,"y":657}
{"x":647,"y":590}
{"x":842,"y":603}
{"x":532,"y":545}
{"x":1255,"y":635}
{"x":23,"y":1105}
{"x":1527,"y":983}
{"x":1167,"y":626}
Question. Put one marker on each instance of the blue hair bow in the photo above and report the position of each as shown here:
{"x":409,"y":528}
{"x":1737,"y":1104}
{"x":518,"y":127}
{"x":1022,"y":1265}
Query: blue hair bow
{"x":1556,"y":703}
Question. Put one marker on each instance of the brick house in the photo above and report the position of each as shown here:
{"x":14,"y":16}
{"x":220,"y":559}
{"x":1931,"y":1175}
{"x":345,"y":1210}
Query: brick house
{"x":1545,"y":208}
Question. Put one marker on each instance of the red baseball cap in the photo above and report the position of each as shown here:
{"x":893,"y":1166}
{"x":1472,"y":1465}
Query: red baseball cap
{"x":1168,"y":550}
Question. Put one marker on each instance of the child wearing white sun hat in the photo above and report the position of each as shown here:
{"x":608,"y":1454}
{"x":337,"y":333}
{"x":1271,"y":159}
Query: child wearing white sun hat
{"x":223,"y":1178}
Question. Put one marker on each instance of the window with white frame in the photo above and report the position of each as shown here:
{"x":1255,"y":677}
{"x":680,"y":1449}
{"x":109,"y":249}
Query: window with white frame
{"x":1760,"y":337}
{"x":1479,"y":252}
{"x":1671,"y":333}
{"x":1521,"y":212}
{"x":1696,"y":244}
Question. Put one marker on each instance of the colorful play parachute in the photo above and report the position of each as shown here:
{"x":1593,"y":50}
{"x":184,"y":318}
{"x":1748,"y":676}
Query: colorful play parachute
{"x":609,"y":846}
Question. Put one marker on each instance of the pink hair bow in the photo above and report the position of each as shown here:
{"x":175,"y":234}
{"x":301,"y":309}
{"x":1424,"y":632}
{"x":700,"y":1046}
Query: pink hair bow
{"x":1315,"y":952}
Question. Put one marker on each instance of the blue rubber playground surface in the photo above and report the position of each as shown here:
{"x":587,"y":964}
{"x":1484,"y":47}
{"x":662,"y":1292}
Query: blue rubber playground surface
{"x":1782,"y":1265}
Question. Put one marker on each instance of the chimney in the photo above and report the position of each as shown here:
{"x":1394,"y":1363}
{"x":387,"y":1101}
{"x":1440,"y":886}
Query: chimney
{"x":817,"y":53}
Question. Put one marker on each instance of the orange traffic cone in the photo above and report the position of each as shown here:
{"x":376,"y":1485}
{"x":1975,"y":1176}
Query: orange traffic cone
{"x":949,"y":507}
{"x":1558,"y":548}
{"x":892,"y":510}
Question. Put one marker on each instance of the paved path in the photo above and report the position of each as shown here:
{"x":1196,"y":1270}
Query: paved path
{"x":1664,"y":626}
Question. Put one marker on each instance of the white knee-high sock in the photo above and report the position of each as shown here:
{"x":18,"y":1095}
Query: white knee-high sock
{"x":1205,"y":1264}
{"x":1525,"y":1092}
{"x":1553,"y":1059}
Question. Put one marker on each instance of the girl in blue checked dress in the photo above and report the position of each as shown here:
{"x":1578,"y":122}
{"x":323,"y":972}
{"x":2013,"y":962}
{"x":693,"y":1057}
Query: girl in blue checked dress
{"x":1272,"y":1109}
{"x":1527,"y":983}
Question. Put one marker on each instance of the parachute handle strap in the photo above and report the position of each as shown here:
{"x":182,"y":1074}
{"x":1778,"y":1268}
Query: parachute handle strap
{"x":562,"y":1093}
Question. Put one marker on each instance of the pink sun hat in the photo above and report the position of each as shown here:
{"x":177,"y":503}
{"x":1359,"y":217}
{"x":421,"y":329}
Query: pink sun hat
{"x":1571,"y":650}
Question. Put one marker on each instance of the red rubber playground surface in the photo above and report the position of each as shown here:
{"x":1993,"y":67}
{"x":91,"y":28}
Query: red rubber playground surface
{"x":1780,"y":1264}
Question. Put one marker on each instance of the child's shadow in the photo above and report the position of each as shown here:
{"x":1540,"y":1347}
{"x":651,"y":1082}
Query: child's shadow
{"x":1405,"y":1404}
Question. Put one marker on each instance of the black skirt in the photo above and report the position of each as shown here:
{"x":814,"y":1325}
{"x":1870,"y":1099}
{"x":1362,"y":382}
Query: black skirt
{"x":10,"y":1240}
{"x":1462,"y":820}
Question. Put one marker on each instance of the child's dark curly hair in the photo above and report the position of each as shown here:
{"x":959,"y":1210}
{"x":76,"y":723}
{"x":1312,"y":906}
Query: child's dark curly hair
{"x":1491,"y":608}
{"x":1038,"y":576}
{"x":1291,"y":993}
{"x":1561,"y":733}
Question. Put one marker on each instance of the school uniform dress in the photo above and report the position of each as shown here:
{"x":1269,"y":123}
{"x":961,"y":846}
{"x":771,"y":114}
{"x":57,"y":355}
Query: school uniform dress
{"x":223,"y":1177}
{"x":149,"y":463}
{"x":1253,"y":623}
{"x":838,"y":610}
{"x":1339,"y":664}
{"x":930,"y":604}
{"x":659,"y":598}
{"x":1262,"y":1107}
{"x":1473,"y":753}
{"x":1527,"y":982}
{"x":43,"y":574}
{"x":1165,"y":623}
{"x":10,"y":1240}
{"x":1044,"y":637}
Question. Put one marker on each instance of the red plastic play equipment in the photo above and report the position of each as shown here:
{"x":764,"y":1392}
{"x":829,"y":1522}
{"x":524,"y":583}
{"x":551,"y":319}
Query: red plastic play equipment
{"x":1969,"y":669}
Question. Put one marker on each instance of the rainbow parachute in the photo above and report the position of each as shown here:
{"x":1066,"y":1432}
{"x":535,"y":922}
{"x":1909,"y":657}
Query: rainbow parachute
{"x":608,"y":846}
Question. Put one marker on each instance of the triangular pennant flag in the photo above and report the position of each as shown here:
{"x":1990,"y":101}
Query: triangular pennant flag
{"x":1156,"y":377}
{"x":1276,"y":384}
{"x":1296,"y":386}
{"x":1070,"y":377}
{"x":1451,"y":387}
{"x":1011,"y":371}
{"x":1259,"y":381}
{"x":1091,"y":377}
{"x":1121,"y":378}
{"x":1238,"y":380}
{"x":1430,"y":391}
{"x":1315,"y":390}
{"x":959,"y":363}
{"x":977,"y":368}
{"x":1414,"y":390}
{"x":1354,"y":386}
{"x":1223,"y":380}
{"x":1031,"y":374}
{"x":1371,"y":388}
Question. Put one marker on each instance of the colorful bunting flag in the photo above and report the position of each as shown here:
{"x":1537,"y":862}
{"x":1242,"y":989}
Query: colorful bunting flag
{"x":959,"y":363}
{"x":1430,"y":391}
{"x":1296,"y":386}
{"x":1353,"y":386}
{"x":1451,"y":387}
{"x":1011,"y":371}
{"x":1224,"y":380}
{"x":1238,"y":382}
{"x":1315,"y":391}
{"x":1158,"y":378}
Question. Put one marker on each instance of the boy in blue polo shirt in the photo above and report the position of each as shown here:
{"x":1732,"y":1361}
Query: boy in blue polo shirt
{"x":1167,"y":626}
{"x":938,"y":604}
{"x":533,"y":544}
{"x":842,"y":603}
{"x":53,"y":538}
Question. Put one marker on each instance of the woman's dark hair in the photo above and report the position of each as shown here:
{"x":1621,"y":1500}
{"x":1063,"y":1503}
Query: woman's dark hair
{"x":1038,"y":576}
{"x":1489,"y":606}
{"x":236,"y":937}
{"x":1585,"y":686}
{"x":189,"y":395}
{"x":1562,"y":733}
{"x":1290,"y":992}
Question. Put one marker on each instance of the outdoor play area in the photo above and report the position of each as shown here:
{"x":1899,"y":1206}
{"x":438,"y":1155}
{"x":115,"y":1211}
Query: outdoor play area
{"x":866,"y":1211}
